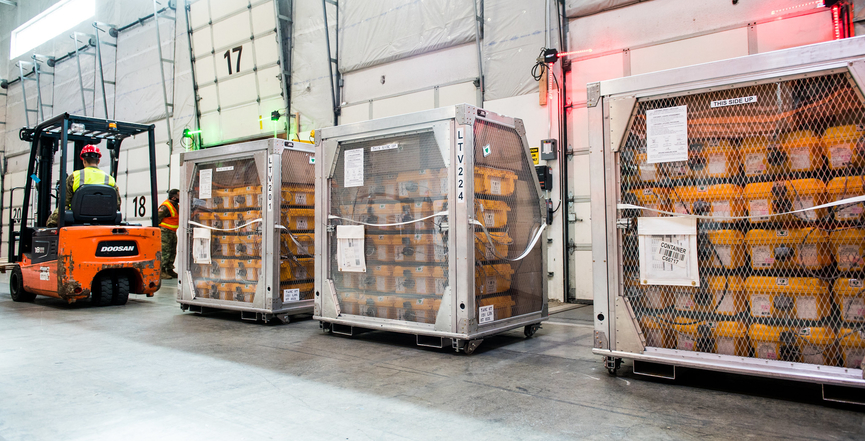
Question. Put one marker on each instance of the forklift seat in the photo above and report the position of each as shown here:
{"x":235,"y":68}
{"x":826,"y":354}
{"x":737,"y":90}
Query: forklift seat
{"x":94,"y":204}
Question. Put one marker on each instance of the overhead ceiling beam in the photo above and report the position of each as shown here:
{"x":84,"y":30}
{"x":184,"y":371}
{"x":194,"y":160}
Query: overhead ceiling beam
{"x":9,"y":2}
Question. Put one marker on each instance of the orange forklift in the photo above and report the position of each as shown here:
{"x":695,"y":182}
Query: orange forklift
{"x":92,"y":253}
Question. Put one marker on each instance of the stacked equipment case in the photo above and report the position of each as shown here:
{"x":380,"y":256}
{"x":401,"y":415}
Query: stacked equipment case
{"x":728,"y":219}
{"x":246,"y":238}
{"x":429,"y":224}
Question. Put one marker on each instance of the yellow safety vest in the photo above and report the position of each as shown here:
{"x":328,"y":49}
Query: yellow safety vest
{"x":89,"y":176}
{"x":171,"y":222}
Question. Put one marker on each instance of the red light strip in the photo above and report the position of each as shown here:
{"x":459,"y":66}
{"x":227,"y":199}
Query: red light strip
{"x":815,"y":4}
{"x":565,"y":54}
{"x":836,"y":21}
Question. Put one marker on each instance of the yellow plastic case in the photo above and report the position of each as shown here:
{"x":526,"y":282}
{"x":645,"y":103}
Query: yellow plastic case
{"x":647,"y":172}
{"x":817,"y":345}
{"x":766,"y":340}
{"x":852,"y":345}
{"x":655,"y":198}
{"x":421,"y":183}
{"x":302,"y":269}
{"x":806,"y":248}
{"x":768,"y":198}
{"x":731,"y":338}
{"x":298,"y":194}
{"x":491,"y":279}
{"x":804,"y":298}
{"x":657,"y":330}
{"x":762,"y":157}
{"x":722,"y":200}
{"x":298,"y":219}
{"x":494,"y":214}
{"x":722,"y":160}
{"x":730,"y":248}
{"x":221,"y":200}
{"x":498,"y":249}
{"x":850,"y":298}
{"x":305,"y":245}
{"x":803,"y":150}
{"x":844,"y":146}
{"x":844,"y":188}
{"x":688,"y":333}
{"x":245,"y":198}
{"x":502,"y":306}
{"x":729,"y":292}
{"x":494,"y":182}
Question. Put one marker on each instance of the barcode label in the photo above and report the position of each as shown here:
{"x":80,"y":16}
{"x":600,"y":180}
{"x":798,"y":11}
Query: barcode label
{"x":672,"y":253}
{"x":486,"y":314}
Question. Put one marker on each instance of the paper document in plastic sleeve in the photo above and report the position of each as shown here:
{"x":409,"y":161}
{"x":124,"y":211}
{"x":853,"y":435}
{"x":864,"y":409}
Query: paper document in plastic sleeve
{"x":353,"y":166}
{"x":205,"y":183}
{"x":667,"y":248}
{"x":201,"y":246}
{"x":350,"y":251}
{"x":667,"y":135}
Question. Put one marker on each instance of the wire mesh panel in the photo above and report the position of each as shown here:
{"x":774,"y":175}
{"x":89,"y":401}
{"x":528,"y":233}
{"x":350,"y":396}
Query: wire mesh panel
{"x":225,"y":259}
{"x":396,"y":187}
{"x":506,"y":208}
{"x":780,"y":275}
{"x":296,"y":229}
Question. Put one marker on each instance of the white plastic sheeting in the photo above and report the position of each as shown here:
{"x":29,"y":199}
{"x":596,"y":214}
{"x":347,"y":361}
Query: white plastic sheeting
{"x":139,"y":85}
{"x":582,"y":8}
{"x":310,"y":89}
{"x":514,"y":33}
{"x":375,"y":32}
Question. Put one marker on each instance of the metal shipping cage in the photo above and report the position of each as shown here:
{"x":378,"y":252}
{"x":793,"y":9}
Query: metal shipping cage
{"x":429,"y":224}
{"x":246,"y":237}
{"x":728,"y":218}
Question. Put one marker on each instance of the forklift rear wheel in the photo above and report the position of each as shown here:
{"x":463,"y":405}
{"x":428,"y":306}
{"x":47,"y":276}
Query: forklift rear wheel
{"x":16,"y":287}
{"x":121,"y":292}
{"x":103,"y":291}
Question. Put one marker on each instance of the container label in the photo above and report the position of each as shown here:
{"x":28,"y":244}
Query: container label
{"x":667,"y":134}
{"x":853,"y":357}
{"x":491,"y":284}
{"x":399,"y":253}
{"x":496,"y":185}
{"x":759,"y":208}
{"x":767,"y":350}
{"x":755,"y":164}
{"x":808,"y":256}
{"x":681,"y":208}
{"x":850,"y":213}
{"x":269,"y":183}
{"x":840,"y":155}
{"x":721,"y":209}
{"x":672,"y":253}
{"x":422,"y":286}
{"x":679,"y":169}
{"x":379,"y":148}
{"x":782,"y":281}
{"x":654,"y":338}
{"x":300,"y":199}
{"x":806,"y":308}
{"x":401,"y":285}
{"x":717,"y":164}
{"x":727,"y":305}
{"x":222,"y":169}
{"x":353,"y":168}
{"x":291,"y":295}
{"x":804,"y":202}
{"x":648,"y":172}
{"x":800,"y":159}
{"x":654,"y":298}
{"x":854,"y":283}
{"x":734,"y":101}
{"x":762,"y":257}
{"x":812,"y":354}
{"x":461,"y":161}
{"x":205,"y":184}
{"x":684,"y":302}
{"x":486,"y":314}
{"x":761,"y":305}
{"x":489,"y":219}
{"x":302,"y":223}
{"x":726,"y":345}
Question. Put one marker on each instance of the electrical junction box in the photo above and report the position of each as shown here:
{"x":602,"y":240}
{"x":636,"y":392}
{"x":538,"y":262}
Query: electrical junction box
{"x":548,"y":149}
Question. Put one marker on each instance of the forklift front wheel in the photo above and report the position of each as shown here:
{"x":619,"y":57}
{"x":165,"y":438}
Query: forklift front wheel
{"x":16,"y":287}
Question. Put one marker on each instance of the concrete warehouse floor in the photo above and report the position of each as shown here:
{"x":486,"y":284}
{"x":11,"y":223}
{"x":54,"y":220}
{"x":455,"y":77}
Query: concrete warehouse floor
{"x":148,"y":371}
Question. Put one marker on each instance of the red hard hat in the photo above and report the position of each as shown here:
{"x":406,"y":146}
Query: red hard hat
{"x":90,"y":148}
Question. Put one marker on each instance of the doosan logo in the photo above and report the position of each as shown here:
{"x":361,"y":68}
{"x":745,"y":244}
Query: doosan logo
{"x":107,"y":249}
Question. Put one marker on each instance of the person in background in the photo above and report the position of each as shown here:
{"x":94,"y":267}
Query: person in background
{"x":90,"y":174}
{"x":169,"y":220}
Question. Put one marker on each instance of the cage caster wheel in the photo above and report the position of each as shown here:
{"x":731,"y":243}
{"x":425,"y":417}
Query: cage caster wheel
{"x":612,"y":364}
{"x":470,"y":346}
{"x":326,"y":327}
{"x":530,"y":330}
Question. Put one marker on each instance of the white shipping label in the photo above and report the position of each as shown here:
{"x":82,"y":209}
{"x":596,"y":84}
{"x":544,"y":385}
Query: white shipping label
{"x":291,"y":295}
{"x":205,"y":184}
{"x":727,"y":304}
{"x":379,"y":148}
{"x":667,"y":134}
{"x":672,"y":253}
{"x":44,"y":273}
{"x":679,"y":169}
{"x":808,"y":255}
{"x":491,"y":285}
{"x":400,"y":284}
{"x":300,"y":199}
{"x":648,"y":172}
{"x":423,"y":188}
{"x":656,"y":267}
{"x":734,"y":101}
{"x":486,"y":314}
{"x":350,"y":252}
{"x":849,"y":257}
{"x":489,"y":219}
{"x":721,"y":208}
{"x":812,"y":354}
{"x":854,"y":309}
{"x":717,"y":164}
{"x":800,"y":159}
{"x":725,"y":253}
{"x":852,"y":212}
{"x":755,"y":164}
{"x":761,"y":305}
{"x":381,"y":283}
{"x":726,"y":345}
{"x":403,"y":188}
{"x":806,"y":308}
{"x":495,"y":185}
{"x":222,"y":169}
{"x":759,"y":207}
{"x":421,"y":286}
{"x":767,"y":350}
{"x":804,"y":202}
{"x":399,"y":253}
{"x":762,"y":257}
{"x":302,"y":223}
{"x":681,"y":208}
{"x":685,"y":342}
{"x":201,"y":246}
{"x":840,"y":155}
{"x":353,"y":165}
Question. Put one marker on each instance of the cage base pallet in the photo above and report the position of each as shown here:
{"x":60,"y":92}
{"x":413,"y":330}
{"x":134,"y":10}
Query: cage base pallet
{"x":828,"y":376}
{"x":428,"y":337}
{"x":252,"y":314}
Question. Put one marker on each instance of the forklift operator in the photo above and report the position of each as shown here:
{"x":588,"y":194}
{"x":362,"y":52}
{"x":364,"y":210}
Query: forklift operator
{"x":88,"y":175}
